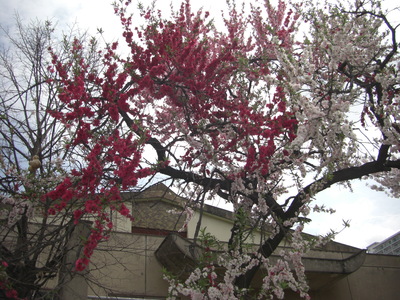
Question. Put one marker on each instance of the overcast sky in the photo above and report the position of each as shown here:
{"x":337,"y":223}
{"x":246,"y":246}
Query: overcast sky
{"x":374,"y":216}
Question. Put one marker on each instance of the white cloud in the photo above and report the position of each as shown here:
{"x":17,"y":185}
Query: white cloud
{"x":373,"y":215}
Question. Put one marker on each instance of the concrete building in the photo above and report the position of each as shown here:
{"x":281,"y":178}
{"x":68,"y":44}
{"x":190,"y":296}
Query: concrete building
{"x":130,"y":265}
{"x":390,"y":246}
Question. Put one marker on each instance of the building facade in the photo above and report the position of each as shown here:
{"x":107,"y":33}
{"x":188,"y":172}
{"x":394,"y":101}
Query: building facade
{"x":390,"y":246}
{"x":131,"y":263}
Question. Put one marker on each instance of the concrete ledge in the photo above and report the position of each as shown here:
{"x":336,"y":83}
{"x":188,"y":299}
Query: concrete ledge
{"x":179,"y":256}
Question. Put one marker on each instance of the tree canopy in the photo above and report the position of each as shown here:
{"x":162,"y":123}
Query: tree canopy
{"x":34,"y":239}
{"x":281,"y":102}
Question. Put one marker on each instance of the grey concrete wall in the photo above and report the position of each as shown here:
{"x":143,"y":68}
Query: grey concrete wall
{"x":377,"y":279}
{"x":126,"y":266}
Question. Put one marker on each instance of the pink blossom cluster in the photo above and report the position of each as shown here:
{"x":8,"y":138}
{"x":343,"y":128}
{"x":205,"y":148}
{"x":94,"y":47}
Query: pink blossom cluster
{"x":5,"y":285}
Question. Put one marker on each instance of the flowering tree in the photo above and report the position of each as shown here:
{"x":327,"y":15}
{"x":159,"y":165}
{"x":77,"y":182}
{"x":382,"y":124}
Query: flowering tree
{"x":256,"y":112}
{"x":34,"y":239}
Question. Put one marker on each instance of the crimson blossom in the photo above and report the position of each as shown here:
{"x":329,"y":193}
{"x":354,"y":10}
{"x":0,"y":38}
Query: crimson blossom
{"x":255,"y":112}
